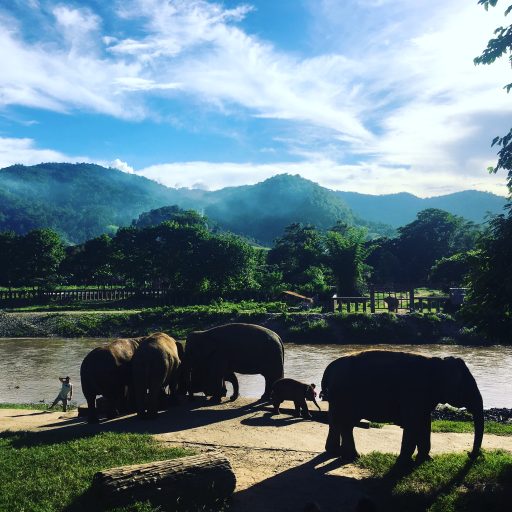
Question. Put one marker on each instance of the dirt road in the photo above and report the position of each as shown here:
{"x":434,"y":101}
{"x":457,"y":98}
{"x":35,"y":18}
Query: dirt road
{"x":278,"y":460}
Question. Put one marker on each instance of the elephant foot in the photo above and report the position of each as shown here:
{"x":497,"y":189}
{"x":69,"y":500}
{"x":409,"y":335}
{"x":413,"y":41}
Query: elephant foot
{"x":215,"y":400}
{"x":93,"y":419}
{"x":233,"y":397}
{"x":333,"y":449}
{"x":307,"y":416}
{"x":422,"y":457}
{"x":403,"y":463}
{"x":349,"y":456}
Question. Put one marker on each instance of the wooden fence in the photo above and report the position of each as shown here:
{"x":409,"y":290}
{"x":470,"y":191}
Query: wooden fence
{"x":79,"y":295}
{"x":375,"y":302}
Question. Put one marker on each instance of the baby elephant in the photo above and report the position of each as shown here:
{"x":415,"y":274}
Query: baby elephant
{"x":297,"y":392}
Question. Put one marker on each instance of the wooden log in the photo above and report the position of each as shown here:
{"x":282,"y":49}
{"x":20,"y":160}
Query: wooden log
{"x":188,"y":481}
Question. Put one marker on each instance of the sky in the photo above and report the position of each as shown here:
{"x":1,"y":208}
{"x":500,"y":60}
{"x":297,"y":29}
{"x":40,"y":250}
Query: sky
{"x":371,"y":96}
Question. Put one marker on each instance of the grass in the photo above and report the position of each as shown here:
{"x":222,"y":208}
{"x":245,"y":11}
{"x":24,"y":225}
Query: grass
{"x":447,"y":483}
{"x":490,"y":427}
{"x":464,"y":427}
{"x":36,"y":407}
{"x":56,"y":476}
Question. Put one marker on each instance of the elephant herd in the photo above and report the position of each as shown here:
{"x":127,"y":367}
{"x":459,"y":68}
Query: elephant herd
{"x":377,"y":385}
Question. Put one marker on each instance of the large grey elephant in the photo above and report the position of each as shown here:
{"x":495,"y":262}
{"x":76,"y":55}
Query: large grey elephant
{"x":397,"y":387}
{"x":155,"y":366}
{"x":235,"y":348}
{"x":106,"y":371}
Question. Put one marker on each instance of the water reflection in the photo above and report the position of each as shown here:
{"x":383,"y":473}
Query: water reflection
{"x":29,"y":368}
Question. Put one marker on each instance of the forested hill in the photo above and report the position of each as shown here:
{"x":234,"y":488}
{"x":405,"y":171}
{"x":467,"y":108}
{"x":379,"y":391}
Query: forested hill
{"x":82,"y":201}
{"x":262,"y":211}
{"x":400,"y":209}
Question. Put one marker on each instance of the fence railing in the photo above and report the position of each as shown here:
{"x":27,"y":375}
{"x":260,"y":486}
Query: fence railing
{"x":80,"y":295}
{"x":394,"y":301}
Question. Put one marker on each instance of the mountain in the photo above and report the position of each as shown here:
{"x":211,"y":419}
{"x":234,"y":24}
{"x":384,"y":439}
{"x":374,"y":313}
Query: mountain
{"x":399,"y":209}
{"x":80,"y":201}
{"x":262,"y":211}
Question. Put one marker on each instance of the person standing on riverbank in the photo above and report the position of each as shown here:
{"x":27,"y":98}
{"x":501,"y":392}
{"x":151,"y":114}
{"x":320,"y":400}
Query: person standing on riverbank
{"x":65,"y":394}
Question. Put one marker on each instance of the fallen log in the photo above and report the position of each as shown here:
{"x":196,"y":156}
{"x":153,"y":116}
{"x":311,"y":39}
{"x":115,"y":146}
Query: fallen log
{"x":188,"y":481}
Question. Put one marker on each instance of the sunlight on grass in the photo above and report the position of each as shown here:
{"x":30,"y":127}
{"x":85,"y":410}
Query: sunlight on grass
{"x":55,"y":476}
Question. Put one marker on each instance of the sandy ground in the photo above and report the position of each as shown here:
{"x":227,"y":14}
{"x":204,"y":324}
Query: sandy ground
{"x":278,"y":460}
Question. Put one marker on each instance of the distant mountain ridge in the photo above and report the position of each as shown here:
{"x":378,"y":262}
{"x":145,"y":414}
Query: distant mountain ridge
{"x":400,"y":209}
{"x":82,"y":201}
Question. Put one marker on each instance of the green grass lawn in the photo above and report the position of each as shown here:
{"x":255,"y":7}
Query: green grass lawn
{"x":447,"y":483}
{"x":37,"y":407}
{"x":55,"y":476}
{"x":490,"y":427}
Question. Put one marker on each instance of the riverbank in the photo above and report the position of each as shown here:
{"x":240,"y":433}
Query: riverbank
{"x":297,"y":327}
{"x":280,"y":464}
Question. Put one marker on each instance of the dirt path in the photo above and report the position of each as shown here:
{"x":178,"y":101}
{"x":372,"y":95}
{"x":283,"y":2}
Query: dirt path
{"x":278,"y":461}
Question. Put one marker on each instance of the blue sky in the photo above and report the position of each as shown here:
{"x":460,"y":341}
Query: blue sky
{"x":374,"y":96}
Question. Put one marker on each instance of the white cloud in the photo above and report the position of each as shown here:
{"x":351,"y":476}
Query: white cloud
{"x":363,"y":178}
{"x":24,"y":151}
{"x":121,"y":166}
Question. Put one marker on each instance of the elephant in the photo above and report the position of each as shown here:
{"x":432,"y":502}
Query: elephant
{"x":297,"y":392}
{"x":196,"y":381}
{"x":155,"y":366}
{"x":106,"y":371}
{"x":397,"y":387}
{"x":241,"y":348}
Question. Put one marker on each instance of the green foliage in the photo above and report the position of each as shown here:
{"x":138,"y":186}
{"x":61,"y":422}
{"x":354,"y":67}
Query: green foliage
{"x":451,"y":271}
{"x":488,"y":305}
{"x":435,"y":234}
{"x":448,"y":483}
{"x":56,"y":476}
{"x":170,"y":214}
{"x":346,"y":254}
{"x":498,"y":46}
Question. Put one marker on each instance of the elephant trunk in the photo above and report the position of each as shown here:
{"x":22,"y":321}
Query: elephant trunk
{"x":315,"y":402}
{"x":478,"y":420}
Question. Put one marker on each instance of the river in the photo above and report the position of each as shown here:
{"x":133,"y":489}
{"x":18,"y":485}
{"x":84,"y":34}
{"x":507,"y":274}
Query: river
{"x":29,"y":368}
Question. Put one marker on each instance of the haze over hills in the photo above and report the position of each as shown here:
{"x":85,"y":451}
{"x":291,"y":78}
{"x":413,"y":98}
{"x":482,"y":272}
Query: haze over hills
{"x":82,"y":201}
{"x":399,"y":209}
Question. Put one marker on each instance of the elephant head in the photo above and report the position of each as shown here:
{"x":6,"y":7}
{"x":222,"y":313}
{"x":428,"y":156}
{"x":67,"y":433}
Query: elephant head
{"x":459,"y":388}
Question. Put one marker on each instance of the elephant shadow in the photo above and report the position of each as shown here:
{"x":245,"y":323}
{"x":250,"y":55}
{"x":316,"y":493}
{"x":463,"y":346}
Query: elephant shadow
{"x":187,"y":415}
{"x":308,"y":483}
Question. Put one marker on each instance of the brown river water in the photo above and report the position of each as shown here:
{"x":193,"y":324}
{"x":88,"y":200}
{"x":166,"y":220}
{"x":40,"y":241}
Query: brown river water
{"x":29,"y":368}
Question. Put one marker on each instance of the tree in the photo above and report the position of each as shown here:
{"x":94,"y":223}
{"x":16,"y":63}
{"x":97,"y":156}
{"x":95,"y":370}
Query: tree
{"x":9,"y":259}
{"x":42,"y":252}
{"x":496,"y":48}
{"x":435,"y":234}
{"x":346,"y":255}
{"x":453,"y":270}
{"x":300,"y":248}
{"x":489,"y":302}
{"x":170,"y":213}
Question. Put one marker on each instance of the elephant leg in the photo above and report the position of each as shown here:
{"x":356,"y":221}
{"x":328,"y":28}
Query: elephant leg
{"x":234,"y":381}
{"x":409,"y":440}
{"x":153,"y":397}
{"x":217,"y":389}
{"x":333,"y":442}
{"x":297,"y":408}
{"x":269,"y":381}
{"x":348,"y":445}
{"x":305,"y":410}
{"x":424,"y":441}
{"x":276,"y":404}
{"x":92,"y":413}
{"x":141,"y":394}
